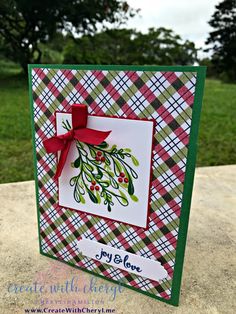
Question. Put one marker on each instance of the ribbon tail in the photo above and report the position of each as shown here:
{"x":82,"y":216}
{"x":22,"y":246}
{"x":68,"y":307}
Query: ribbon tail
{"x":53,"y":144}
{"x":62,"y":159}
{"x":90,"y":136}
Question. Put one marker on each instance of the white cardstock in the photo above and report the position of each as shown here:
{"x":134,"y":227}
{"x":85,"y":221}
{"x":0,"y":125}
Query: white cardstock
{"x":132,"y":263}
{"x":136,"y":135}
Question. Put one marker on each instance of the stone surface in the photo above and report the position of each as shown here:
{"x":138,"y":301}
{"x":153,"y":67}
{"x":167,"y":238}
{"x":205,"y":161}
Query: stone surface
{"x":208,"y":284}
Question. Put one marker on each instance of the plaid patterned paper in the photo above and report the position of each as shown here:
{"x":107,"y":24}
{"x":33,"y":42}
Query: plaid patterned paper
{"x":167,"y":97}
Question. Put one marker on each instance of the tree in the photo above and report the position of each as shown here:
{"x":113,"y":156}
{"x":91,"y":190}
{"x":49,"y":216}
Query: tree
{"x":223,"y":38}
{"x":211,"y":70}
{"x":163,"y":46}
{"x":25,"y":24}
{"x":127,"y":46}
{"x":112,"y":46}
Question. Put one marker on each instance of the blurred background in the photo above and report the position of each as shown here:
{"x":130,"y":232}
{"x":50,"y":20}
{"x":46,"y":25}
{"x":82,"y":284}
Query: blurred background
{"x":117,"y":32}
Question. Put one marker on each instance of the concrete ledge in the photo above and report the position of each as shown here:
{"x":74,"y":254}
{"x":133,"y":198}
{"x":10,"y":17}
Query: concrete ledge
{"x":210,"y":262}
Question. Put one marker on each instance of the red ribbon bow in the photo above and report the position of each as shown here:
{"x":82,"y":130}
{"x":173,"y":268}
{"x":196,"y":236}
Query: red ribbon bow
{"x":78,"y":132}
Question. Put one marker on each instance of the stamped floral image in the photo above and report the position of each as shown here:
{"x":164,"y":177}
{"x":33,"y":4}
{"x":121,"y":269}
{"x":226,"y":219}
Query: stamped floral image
{"x":104,"y":174}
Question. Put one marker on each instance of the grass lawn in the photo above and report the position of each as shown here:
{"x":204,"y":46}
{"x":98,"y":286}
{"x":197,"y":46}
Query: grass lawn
{"x":217,"y":138}
{"x":217,"y":135}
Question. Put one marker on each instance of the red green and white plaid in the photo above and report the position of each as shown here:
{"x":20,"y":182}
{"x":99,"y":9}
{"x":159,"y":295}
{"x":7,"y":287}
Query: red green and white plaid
{"x":166,"y":97}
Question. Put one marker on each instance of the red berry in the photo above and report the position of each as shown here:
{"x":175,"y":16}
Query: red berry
{"x":91,"y":187}
{"x":97,"y":188}
{"x":120,"y":180}
{"x":126,"y":180}
{"x":99,"y":153}
{"x":98,"y":158}
{"x":93,"y":182}
{"x":103,"y":159}
{"x":122,"y":174}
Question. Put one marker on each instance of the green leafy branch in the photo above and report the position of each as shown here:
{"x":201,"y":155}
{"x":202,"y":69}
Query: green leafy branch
{"x":103,"y":173}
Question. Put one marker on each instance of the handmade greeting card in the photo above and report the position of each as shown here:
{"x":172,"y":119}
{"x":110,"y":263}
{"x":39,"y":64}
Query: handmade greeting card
{"x":115,"y":150}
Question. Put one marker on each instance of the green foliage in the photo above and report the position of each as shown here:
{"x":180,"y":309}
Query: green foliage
{"x":217,"y":137}
{"x":211,"y":70}
{"x":127,"y":46}
{"x":50,"y":56}
{"x":103,"y":174}
{"x":223,"y":39}
{"x":24,"y":25}
{"x":15,"y":132}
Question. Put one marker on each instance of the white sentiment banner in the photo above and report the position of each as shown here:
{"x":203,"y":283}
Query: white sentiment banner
{"x":132,"y":263}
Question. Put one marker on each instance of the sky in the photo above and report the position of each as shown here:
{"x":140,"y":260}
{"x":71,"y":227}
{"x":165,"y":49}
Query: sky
{"x":188,"y":18}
